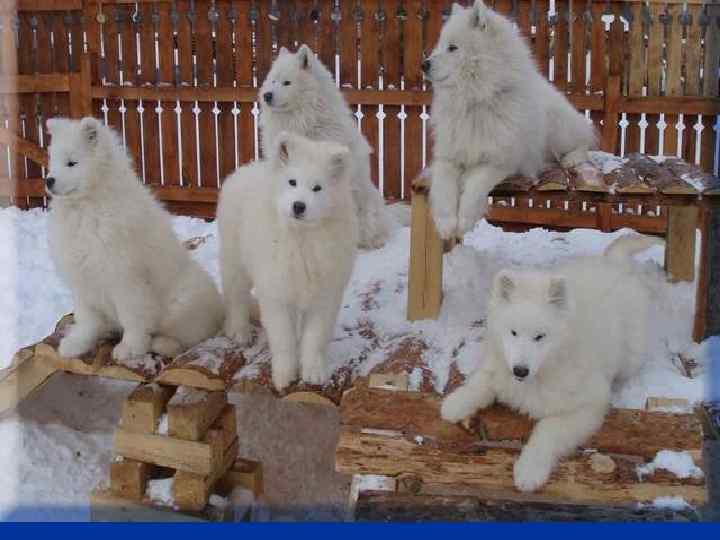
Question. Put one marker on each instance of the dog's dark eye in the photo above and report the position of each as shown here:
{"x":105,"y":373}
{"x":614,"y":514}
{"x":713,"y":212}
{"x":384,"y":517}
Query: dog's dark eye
{"x":539,"y":337}
{"x":293,"y":182}
{"x":71,"y":163}
{"x":452,"y":48}
{"x":514,"y":333}
{"x":317,"y":188}
{"x":286,"y":83}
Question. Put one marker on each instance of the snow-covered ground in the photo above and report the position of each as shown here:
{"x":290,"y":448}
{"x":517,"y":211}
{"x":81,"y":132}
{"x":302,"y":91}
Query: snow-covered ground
{"x":53,"y":451}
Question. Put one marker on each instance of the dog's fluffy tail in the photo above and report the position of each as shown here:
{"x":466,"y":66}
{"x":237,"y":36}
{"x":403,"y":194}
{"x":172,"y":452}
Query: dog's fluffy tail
{"x":630,"y":244}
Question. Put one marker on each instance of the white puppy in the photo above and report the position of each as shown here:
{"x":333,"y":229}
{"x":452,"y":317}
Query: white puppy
{"x":115,"y":248}
{"x":493,"y":115}
{"x":300,"y":96}
{"x":557,"y":339}
{"x":288,"y":229}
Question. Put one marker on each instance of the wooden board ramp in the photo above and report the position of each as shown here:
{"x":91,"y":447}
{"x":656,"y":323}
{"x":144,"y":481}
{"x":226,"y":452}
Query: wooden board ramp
{"x":400,"y":434}
{"x":177,"y":459}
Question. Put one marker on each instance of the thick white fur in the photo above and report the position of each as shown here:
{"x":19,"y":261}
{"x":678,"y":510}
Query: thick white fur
{"x":115,"y":248}
{"x":493,"y":115}
{"x":298,"y":267}
{"x":578,"y":327}
{"x":312,"y":106}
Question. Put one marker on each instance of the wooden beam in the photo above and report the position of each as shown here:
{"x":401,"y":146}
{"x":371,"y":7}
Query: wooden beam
{"x":26,"y":373}
{"x":32,"y":84}
{"x":48,"y":5}
{"x":191,"y":412}
{"x":23,"y":146}
{"x":143,"y":407}
{"x":128,"y":479}
{"x":680,"y":247}
{"x":669,"y":104}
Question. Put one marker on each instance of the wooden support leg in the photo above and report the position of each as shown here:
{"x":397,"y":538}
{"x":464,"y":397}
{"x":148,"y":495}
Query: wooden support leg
{"x":707,"y":304}
{"x":426,"y":262}
{"x":680,"y":247}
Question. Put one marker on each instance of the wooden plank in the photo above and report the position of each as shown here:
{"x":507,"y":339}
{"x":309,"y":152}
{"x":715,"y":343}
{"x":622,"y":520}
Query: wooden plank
{"x":370,"y":56}
{"x":191,"y":456}
{"x":33,"y":84}
{"x":347,"y":45}
{"x":707,"y":310}
{"x":191,"y":412}
{"x":244,"y":77}
{"x":542,"y":37}
{"x":577,"y":46}
{"x":712,"y":52}
{"x":143,"y":408}
{"x":693,"y":52}
{"x":168,"y":118}
{"x":426,"y":262}
{"x":560,"y":45}
{"x":128,"y":479}
{"x":573,"y":481}
{"x":22,"y":146}
{"x":26,"y":373}
{"x":225,"y":77}
{"x":391,"y":53}
{"x":625,"y":431}
{"x":680,"y":246}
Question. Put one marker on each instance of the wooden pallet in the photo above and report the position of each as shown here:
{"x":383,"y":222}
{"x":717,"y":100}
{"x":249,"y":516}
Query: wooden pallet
{"x":400,"y":435}
{"x":186,"y":438}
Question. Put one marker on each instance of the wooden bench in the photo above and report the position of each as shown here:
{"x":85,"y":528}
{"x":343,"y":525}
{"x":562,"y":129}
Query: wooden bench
{"x":672,"y":198}
{"x":420,"y":467}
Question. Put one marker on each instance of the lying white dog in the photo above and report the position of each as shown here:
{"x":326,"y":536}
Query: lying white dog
{"x":493,"y":115}
{"x":557,"y":339}
{"x":300,"y":96}
{"x":287,"y":228}
{"x":115,"y":248}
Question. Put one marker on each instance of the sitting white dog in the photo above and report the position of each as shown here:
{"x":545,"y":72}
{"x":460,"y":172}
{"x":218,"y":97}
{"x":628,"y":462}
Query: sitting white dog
{"x":493,"y":115}
{"x":557,"y":339}
{"x":287,"y":228}
{"x":300,"y":96}
{"x":115,"y":248}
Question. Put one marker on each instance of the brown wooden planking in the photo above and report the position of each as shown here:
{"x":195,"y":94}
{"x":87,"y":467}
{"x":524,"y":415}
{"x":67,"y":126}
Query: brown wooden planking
{"x":560,"y":45}
{"x":707,"y":316}
{"x":708,"y":136}
{"x":61,"y":52}
{"x":712,"y":51}
{"x":305,"y":28}
{"x":347,"y":44}
{"x":326,"y":30}
{"x":674,"y":83}
{"x":225,"y":77}
{"x":369,"y":54}
{"x":168,"y":119}
{"x":184,"y":41}
{"x":129,"y":48}
{"x":206,"y":118}
{"x":693,"y":51}
{"x":109,"y":29}
{"x":577,"y":50}
{"x":598,"y":69}
{"x":391,"y":52}
{"x":285,"y":29}
{"x":244,"y":77}
{"x":542,"y":37}
{"x":412,"y":59}
{"x":263,"y":37}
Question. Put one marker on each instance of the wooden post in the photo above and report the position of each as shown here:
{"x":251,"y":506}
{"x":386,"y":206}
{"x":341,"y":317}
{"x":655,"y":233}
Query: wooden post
{"x":707,"y":304}
{"x":426,"y":260}
{"x":680,"y":247}
{"x":80,"y":89}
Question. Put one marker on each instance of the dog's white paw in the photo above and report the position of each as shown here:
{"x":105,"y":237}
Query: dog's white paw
{"x":73,"y":347}
{"x":531,"y":471}
{"x":124,"y":350}
{"x":446,"y":226}
{"x":314,"y":373}
{"x":284,"y":372}
{"x":240,"y":334}
{"x":456,"y":407}
{"x":574,"y":158}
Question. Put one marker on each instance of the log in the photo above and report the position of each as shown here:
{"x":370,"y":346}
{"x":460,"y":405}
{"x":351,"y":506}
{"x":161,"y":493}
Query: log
{"x":143,"y":407}
{"x":191,"y":412}
{"x":384,"y":506}
{"x":626,"y":431}
{"x":491,"y":469}
{"x":210,"y":365}
{"x":26,"y":373}
{"x":128,"y":479}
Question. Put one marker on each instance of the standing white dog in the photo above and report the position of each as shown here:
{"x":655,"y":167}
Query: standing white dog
{"x":493,"y":115}
{"x":115,"y":248}
{"x":287,"y":228}
{"x":300,"y":96}
{"x":557,"y":339}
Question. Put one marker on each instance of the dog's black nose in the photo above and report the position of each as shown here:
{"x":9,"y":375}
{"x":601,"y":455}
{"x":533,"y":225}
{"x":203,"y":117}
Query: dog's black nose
{"x":299,"y":208}
{"x":267,"y":96}
{"x":520,"y":372}
{"x":425,"y":65}
{"x":50,"y":182}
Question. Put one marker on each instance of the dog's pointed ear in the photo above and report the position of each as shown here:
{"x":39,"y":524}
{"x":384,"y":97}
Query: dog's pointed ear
{"x":90,"y":129}
{"x":479,"y":15}
{"x":339,"y":162}
{"x":305,"y":56}
{"x":504,"y":285}
{"x":283,"y":146}
{"x":558,"y":292}
{"x":283,"y":51}
{"x":456,"y":8}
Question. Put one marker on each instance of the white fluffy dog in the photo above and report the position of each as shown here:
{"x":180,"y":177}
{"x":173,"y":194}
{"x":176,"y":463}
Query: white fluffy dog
{"x":557,"y":339}
{"x":300,"y":96}
{"x":493,"y":115}
{"x":287,"y":228}
{"x":115,"y":248}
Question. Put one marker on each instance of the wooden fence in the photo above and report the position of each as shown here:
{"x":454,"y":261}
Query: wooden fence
{"x":179,"y":78}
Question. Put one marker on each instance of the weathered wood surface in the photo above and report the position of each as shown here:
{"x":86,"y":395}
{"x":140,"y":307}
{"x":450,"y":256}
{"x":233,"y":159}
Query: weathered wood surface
{"x":401,"y":433}
{"x":384,"y":506}
{"x":143,"y":407}
{"x":707,"y":320}
{"x":192,"y":411}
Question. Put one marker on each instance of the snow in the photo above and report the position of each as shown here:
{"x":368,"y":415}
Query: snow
{"x":671,"y":503}
{"x":160,"y":491}
{"x":680,"y":464}
{"x":163,"y":424}
{"x":53,"y":452}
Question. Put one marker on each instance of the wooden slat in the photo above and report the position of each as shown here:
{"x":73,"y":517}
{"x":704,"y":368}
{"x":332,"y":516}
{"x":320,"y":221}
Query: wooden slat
{"x":712,"y":52}
{"x":707,"y":314}
{"x":560,"y":45}
{"x":391,"y":52}
{"x":412,"y":59}
{"x":680,"y":249}
{"x":244,"y":78}
{"x":370,"y":55}
{"x":168,"y":118}
{"x":23,"y":146}
{"x":347,"y":36}
{"x":225,"y":77}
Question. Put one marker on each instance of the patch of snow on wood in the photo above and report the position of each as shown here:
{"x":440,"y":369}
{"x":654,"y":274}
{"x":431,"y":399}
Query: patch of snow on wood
{"x":160,"y":491}
{"x":680,"y":464}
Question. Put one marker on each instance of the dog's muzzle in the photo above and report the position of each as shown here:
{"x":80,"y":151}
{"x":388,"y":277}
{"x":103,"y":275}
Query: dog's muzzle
{"x":425,"y":66}
{"x":268,"y":97}
{"x":520,"y":372}
{"x":299,"y":208}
